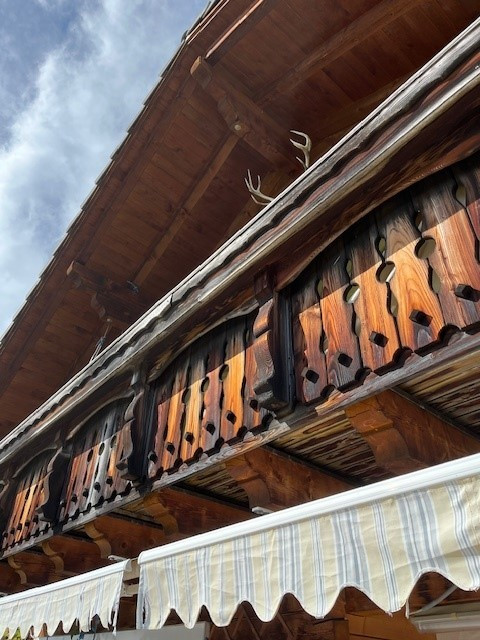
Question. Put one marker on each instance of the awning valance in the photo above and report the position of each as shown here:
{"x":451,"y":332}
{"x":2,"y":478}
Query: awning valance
{"x":379,"y":539}
{"x":96,"y":593}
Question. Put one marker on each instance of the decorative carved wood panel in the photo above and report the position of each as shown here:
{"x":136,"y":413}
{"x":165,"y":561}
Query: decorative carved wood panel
{"x":93,"y":477}
{"x":401,"y":281}
{"x":205,"y":399}
{"x":26,"y":497}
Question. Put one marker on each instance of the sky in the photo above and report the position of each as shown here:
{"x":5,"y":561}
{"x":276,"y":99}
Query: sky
{"x":73,"y":76}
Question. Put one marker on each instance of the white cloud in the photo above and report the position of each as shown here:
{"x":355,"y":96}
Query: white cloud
{"x":87,"y":90}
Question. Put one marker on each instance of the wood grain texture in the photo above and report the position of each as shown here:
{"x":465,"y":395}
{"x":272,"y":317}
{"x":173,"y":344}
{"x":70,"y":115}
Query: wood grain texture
{"x":404,"y":437}
{"x":271,"y":346}
{"x":395,"y":146}
{"x":93,"y":476}
{"x":377,"y":332}
{"x":342,"y":353}
{"x":212,"y":403}
{"x":454,"y":259}
{"x":400,"y":281}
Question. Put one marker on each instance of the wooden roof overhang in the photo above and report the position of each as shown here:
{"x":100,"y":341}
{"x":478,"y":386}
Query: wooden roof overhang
{"x":107,"y":432}
{"x":160,"y":207}
{"x":396,"y":145}
{"x":107,"y":406}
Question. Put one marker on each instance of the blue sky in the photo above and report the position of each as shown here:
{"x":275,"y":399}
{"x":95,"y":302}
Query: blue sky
{"x":73,"y":75}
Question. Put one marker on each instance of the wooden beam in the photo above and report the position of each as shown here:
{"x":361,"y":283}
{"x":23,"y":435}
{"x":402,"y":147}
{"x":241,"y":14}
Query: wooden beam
{"x":404,"y":437}
{"x":72,"y":554}
{"x":188,"y":511}
{"x":150,"y":129}
{"x":34,"y":568}
{"x":273,"y":480}
{"x":344,"y":40}
{"x":9,"y":578}
{"x":119,"y":303}
{"x":244,"y":118}
{"x":238,"y":29}
{"x":122,"y":536}
{"x":181,"y":216}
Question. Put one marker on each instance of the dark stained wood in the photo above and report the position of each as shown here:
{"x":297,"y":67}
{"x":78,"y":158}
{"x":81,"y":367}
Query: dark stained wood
{"x":93,"y":475}
{"x":271,"y":346}
{"x":34,"y":568}
{"x":308,"y":340}
{"x":243,"y":116}
{"x":376,"y":328}
{"x":176,"y":410}
{"x":237,"y":30}
{"x":211,"y":403}
{"x":194,"y":404}
{"x":184,"y":213}
{"x":184,"y":513}
{"x":122,"y":537}
{"x":9,"y":578}
{"x":26,"y":497}
{"x":232,"y":375}
{"x":320,"y":193}
{"x":71,"y":554}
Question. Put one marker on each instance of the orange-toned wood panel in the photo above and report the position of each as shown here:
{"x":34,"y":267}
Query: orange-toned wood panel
{"x":28,"y":495}
{"x":93,"y":477}
{"x":400,"y":281}
{"x":205,"y":399}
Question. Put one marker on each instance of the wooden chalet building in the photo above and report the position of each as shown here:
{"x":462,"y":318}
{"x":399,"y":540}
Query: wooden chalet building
{"x":192,"y":360}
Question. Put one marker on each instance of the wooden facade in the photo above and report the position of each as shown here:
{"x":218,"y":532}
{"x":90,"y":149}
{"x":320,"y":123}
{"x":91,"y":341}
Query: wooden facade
{"x":328,"y":342}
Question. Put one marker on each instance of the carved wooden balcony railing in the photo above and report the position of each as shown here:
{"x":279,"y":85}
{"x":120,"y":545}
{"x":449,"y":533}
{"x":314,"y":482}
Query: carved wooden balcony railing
{"x":397,"y":285}
{"x":92,"y":476}
{"x":401,"y":281}
{"x":206,"y":399}
{"x":22,"y":499}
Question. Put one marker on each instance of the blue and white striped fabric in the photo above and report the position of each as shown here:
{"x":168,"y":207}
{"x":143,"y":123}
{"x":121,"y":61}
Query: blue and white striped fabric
{"x":381,"y":545}
{"x":75,"y":599}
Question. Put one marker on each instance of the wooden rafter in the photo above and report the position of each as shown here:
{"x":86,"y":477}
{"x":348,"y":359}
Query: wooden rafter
{"x":238,"y":29}
{"x":344,"y":40}
{"x":118,"y":303}
{"x":182,"y":215}
{"x":243,"y":117}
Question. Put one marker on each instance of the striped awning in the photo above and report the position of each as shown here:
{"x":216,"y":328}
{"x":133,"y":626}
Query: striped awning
{"x":379,"y":539}
{"x":96,"y":593}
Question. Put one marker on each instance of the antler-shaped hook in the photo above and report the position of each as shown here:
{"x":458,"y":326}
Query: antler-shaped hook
{"x":255,"y":191}
{"x":305,"y":147}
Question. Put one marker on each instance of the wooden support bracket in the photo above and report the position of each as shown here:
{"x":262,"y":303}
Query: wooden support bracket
{"x":274,"y":481}
{"x":119,"y":303}
{"x":122,"y":536}
{"x":404,"y":437}
{"x":34,"y":568}
{"x":72,"y":555}
{"x":244,"y":117}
